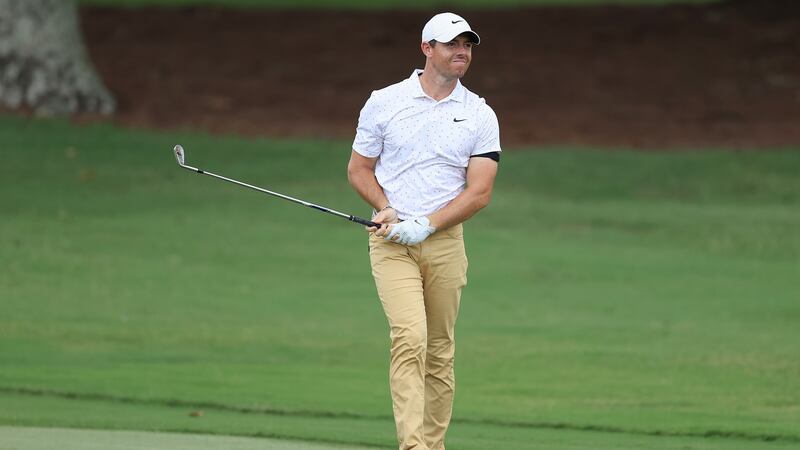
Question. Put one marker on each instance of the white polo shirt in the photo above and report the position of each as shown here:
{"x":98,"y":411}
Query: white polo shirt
{"x":423,"y":146}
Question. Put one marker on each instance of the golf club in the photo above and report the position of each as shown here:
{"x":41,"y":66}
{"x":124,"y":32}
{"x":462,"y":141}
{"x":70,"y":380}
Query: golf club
{"x":180,"y":156}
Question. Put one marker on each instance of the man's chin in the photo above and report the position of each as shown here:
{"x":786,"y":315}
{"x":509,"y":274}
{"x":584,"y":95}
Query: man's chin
{"x":459,"y":70}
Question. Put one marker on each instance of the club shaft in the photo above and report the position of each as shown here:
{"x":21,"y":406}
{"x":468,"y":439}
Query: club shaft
{"x":285,"y":197}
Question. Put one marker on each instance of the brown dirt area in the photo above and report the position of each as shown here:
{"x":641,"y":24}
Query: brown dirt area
{"x":722,"y":75}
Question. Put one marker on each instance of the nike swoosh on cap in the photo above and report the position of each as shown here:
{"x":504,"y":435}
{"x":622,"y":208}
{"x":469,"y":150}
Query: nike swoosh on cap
{"x":456,"y":21}
{"x":458,"y":120}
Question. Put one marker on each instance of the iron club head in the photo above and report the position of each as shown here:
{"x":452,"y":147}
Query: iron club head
{"x":180,"y":155}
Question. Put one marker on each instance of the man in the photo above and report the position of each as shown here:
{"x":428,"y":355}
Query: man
{"x":425,"y":157}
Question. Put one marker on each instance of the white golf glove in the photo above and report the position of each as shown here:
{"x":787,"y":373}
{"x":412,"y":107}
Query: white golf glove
{"x":411,"y":232}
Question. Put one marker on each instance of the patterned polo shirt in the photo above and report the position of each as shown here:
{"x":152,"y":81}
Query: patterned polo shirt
{"x":423,"y":146}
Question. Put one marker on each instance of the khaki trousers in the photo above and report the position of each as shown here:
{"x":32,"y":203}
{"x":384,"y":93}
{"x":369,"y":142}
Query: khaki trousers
{"x":420,"y":289}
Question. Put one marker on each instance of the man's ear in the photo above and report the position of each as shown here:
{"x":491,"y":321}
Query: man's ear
{"x":427,"y":49}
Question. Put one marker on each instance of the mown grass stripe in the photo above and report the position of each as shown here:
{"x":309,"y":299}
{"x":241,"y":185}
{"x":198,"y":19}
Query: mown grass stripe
{"x":35,"y":438}
{"x":176,"y":403}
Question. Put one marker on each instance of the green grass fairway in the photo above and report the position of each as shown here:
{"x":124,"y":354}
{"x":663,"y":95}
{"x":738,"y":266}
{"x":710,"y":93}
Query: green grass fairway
{"x":616,"y":299}
{"x":17,"y":438}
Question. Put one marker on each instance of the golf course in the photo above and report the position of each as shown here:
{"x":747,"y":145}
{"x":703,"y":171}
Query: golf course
{"x":617,"y":298}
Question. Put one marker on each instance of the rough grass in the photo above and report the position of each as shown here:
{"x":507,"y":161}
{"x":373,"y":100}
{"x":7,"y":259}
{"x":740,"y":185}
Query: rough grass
{"x":616,"y":299}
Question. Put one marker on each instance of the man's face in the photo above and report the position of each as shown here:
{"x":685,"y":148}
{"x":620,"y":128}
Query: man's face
{"x":450,"y":59}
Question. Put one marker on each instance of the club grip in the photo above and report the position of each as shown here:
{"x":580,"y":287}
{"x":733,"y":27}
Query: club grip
{"x":365,"y":222}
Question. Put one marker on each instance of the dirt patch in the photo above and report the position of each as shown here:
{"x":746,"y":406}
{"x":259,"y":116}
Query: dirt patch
{"x":726,"y":75}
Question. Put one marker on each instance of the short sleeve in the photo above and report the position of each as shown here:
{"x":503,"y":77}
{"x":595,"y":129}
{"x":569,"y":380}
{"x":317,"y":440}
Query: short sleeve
{"x":488,"y":132}
{"x":369,"y":134}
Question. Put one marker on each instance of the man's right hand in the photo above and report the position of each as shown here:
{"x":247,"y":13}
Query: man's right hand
{"x":384,"y":217}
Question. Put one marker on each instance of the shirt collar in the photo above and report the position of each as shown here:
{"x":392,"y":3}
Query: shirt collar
{"x":416,"y":89}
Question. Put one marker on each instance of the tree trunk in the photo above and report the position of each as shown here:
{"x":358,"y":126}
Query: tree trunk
{"x":43,"y":62}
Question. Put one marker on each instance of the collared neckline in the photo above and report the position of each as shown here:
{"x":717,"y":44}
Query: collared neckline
{"x":457,"y":95}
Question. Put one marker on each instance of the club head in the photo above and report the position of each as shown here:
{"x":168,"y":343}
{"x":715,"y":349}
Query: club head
{"x":179,"y":155}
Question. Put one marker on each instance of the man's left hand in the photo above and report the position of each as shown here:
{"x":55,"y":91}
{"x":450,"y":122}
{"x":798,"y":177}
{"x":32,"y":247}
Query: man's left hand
{"x":410,"y":232}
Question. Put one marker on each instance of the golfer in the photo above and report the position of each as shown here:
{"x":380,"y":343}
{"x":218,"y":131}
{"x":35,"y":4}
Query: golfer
{"x":425,"y":157}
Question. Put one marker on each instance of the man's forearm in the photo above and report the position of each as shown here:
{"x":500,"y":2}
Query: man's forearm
{"x":461,"y":208}
{"x":364,"y":182}
{"x":480,"y":181}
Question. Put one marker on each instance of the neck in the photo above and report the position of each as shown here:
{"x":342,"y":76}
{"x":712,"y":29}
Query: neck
{"x":436,"y":86}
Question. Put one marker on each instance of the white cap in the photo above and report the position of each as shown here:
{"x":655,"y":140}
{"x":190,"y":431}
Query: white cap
{"x":445,"y":27}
